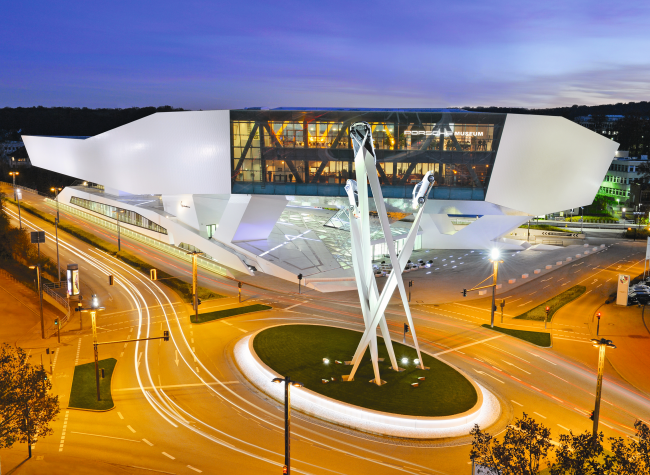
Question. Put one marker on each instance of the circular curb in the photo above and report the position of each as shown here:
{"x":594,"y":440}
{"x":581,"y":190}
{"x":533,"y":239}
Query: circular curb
{"x":486,"y":411}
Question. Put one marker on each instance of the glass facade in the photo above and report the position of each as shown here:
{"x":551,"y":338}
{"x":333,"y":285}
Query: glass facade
{"x":308,"y":152}
{"x":123,"y":215}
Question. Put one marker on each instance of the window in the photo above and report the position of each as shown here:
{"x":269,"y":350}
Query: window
{"x":123,"y":215}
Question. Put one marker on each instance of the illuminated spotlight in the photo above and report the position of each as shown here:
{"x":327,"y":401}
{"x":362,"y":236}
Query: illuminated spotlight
{"x":416,"y":361}
{"x":405,"y":360}
{"x":326,"y":361}
{"x":494,"y":254}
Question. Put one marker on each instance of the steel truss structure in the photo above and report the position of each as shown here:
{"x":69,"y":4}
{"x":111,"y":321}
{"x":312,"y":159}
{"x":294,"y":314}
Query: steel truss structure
{"x":373,"y":304}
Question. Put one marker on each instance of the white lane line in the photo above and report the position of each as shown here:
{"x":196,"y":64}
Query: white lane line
{"x":195,"y":469}
{"x":562,"y":427}
{"x":605,"y":424}
{"x":105,"y":436}
{"x":486,"y":374}
{"x":242,"y":330}
{"x":120,"y":415}
{"x":223,"y":321}
{"x":536,"y":389}
{"x":170,"y":456}
{"x":515,"y":366}
{"x":65,"y":426}
{"x":543,"y":358}
{"x":571,"y":339}
{"x":131,"y":429}
{"x":518,"y":404}
{"x":76,"y":361}
{"x":469,"y":344}
{"x":147,"y":442}
{"x":289,"y":308}
{"x":544,"y":417}
{"x":525,"y":303}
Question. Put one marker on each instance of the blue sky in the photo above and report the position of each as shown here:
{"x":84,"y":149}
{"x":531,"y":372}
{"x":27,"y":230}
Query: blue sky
{"x":211,"y":55}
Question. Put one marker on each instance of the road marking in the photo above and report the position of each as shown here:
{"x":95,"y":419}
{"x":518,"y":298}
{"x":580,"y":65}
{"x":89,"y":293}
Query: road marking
{"x":486,"y":374}
{"x":536,"y":389}
{"x":515,"y":366}
{"x":518,"y":404}
{"x":120,"y":414}
{"x":605,"y":424}
{"x":497,"y":348}
{"x":139,"y":357}
{"x":562,"y":427}
{"x":526,"y":303}
{"x":131,"y":429}
{"x":570,"y":339}
{"x":242,"y":330}
{"x":289,"y":308}
{"x":544,"y":417}
{"x":65,"y":425}
{"x":543,"y":358}
{"x":147,"y":442}
{"x":170,"y":456}
{"x":195,"y":469}
{"x":465,"y":346}
{"x":105,"y":436}
{"x":76,"y":361}
{"x":558,"y":377}
{"x":223,"y":321}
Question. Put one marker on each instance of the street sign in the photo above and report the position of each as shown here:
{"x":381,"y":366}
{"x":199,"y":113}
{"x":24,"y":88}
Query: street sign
{"x":37,"y":236}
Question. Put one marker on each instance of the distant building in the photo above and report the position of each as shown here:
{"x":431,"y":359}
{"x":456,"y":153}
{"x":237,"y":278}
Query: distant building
{"x":19,"y":158}
{"x":602,"y":124}
{"x":622,"y":173}
{"x":7,"y":148}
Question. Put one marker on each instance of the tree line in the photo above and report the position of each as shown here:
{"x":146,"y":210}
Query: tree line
{"x":527,"y":448}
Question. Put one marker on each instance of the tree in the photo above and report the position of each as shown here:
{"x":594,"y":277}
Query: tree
{"x":525,"y":445}
{"x":26,"y":407}
{"x":579,"y":454}
{"x":632,"y":458}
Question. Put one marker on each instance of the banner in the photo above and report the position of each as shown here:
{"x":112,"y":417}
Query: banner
{"x":623,"y":288}
{"x":647,"y":249}
{"x":72,"y":277}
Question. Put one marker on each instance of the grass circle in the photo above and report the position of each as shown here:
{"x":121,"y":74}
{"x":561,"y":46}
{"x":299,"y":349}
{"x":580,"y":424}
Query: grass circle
{"x":298,"y":351}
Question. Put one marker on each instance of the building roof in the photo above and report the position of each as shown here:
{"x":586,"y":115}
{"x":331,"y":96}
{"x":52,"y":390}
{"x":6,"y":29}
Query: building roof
{"x":20,"y":153}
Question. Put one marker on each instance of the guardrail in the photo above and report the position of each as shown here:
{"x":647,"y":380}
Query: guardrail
{"x":31,"y":190}
{"x":166,"y":248}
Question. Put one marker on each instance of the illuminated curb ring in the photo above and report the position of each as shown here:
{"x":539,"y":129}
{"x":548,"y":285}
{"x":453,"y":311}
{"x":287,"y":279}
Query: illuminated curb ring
{"x":485,"y":412}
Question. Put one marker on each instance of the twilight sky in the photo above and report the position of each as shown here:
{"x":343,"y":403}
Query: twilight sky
{"x":219,"y":55}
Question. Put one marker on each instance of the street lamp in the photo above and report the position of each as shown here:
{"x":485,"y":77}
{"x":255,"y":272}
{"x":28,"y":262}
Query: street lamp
{"x":13,"y":175}
{"x":287,"y":419}
{"x":117,"y":220}
{"x":94,"y":307}
{"x":56,"y":192}
{"x":40,"y":295}
{"x":19,"y":196}
{"x":494,"y":258}
{"x":195,"y":278}
{"x":601,"y":344}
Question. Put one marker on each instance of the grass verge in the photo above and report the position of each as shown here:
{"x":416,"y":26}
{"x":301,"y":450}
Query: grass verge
{"x":536,"y":338}
{"x":178,"y":285}
{"x":298,"y":351}
{"x":539,"y":313}
{"x":230,"y":312}
{"x":546,"y":227}
{"x":83,"y":394}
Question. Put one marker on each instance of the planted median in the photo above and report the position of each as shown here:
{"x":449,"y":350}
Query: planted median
{"x":229,"y":312}
{"x":83,"y":394}
{"x":554,"y":304}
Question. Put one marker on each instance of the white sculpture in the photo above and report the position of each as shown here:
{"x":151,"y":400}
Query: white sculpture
{"x":373,"y":304}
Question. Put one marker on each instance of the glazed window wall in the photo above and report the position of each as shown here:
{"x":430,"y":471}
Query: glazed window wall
{"x":315,"y":157}
{"x":123,"y":215}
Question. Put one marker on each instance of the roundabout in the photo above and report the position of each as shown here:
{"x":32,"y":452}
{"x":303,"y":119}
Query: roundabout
{"x":440,"y":402}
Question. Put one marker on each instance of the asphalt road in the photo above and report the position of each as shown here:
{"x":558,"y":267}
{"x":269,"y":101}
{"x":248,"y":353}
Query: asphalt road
{"x":182,"y":407}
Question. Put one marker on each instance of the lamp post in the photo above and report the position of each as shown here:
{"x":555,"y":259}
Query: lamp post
{"x":93,"y":309}
{"x":117,"y":220}
{"x":19,"y":196}
{"x":494,"y":259}
{"x":582,"y":219}
{"x":13,"y":175}
{"x":195,"y":279}
{"x":40,"y":295}
{"x":287,"y":419}
{"x":56,"y":192}
{"x":601,"y":344}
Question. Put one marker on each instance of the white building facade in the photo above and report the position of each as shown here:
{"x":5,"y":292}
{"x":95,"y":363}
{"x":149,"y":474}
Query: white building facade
{"x":264,"y":189}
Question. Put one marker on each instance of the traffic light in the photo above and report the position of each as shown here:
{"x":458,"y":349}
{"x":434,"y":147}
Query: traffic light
{"x":299,"y":276}
{"x":239,"y":284}
{"x":598,"y":315}
{"x":47,"y":351}
{"x":166,"y":335}
{"x":464,"y":292}
{"x":547,"y":310}
{"x":591,"y":415}
{"x":406,"y":328}
{"x":56,"y":322}
{"x":410,"y":283}
{"x":198,"y":301}
{"x":284,"y":470}
{"x":153,"y":274}
{"x":110,"y":280}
